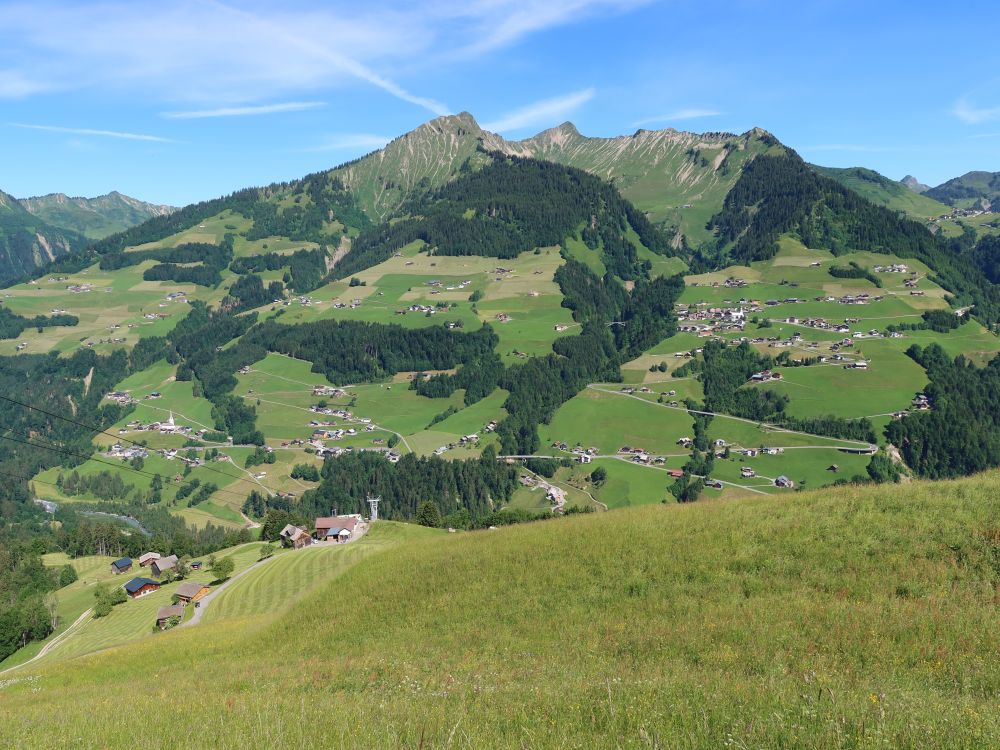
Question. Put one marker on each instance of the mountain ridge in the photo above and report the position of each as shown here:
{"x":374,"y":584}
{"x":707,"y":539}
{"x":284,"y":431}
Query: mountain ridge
{"x":663,"y":172}
{"x":96,"y":217}
{"x":976,"y":189}
{"x":27,"y":242}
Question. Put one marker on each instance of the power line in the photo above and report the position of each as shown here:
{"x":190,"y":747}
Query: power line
{"x":99,"y":431}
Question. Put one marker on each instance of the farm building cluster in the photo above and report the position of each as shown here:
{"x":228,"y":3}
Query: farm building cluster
{"x":331,"y":529}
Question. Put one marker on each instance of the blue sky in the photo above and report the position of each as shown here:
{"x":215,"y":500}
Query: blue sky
{"x":181,"y":101}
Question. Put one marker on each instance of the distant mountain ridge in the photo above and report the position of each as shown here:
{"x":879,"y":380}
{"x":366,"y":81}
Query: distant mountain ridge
{"x":886,"y":192}
{"x":971,"y":190}
{"x":95,"y":218}
{"x":914,"y":184}
{"x":27,"y":242}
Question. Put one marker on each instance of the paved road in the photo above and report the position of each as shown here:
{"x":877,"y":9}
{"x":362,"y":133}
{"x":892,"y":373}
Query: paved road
{"x":202,"y":604}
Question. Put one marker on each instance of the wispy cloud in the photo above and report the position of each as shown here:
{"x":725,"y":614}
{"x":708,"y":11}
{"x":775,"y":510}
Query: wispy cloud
{"x":969,"y":113}
{"x":197,"y":52}
{"x":14,"y":85}
{"x":89,"y":131}
{"x":984,"y":135}
{"x":692,"y":113}
{"x":546,"y":112}
{"x":501,"y":23}
{"x":338,"y":60}
{"x":201,"y":55}
{"x":262,"y":109}
{"x":351,"y":141}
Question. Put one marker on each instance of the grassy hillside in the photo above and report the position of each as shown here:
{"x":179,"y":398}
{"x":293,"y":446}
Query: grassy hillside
{"x":846,"y":618}
{"x":885,"y":192}
{"x":95,"y":218}
{"x":677,"y":178}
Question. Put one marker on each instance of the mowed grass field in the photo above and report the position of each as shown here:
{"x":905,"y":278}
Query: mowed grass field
{"x":133,"y":620}
{"x":290,"y":576}
{"x":845,"y":618}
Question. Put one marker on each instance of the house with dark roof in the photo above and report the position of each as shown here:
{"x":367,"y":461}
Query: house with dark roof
{"x":122,"y":565}
{"x":190,"y":592}
{"x":140,"y":587}
{"x":165,"y":614}
{"x":163,"y":564}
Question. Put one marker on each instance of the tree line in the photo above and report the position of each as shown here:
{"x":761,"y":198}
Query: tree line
{"x":960,"y":434}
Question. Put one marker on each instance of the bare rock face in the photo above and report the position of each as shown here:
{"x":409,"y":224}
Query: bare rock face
{"x":914,"y":184}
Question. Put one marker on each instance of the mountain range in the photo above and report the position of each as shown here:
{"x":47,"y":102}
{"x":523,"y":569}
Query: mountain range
{"x":37,"y":231}
{"x":678,"y":179}
{"x":94,"y":218}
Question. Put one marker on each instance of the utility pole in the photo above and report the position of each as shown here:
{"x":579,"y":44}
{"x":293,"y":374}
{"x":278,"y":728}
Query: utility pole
{"x":373,"y":504}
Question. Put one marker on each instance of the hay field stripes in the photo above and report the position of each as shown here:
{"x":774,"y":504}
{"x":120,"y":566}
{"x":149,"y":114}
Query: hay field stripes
{"x":268,"y":588}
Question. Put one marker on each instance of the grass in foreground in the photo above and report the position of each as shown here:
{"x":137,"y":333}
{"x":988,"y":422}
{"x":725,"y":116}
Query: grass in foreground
{"x":848,"y":618}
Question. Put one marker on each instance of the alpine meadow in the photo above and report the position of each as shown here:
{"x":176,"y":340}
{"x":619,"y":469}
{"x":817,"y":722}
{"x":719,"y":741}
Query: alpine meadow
{"x":485,"y":438}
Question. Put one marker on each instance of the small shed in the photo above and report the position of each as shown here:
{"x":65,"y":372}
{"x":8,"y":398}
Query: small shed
{"x":121,"y":565}
{"x":165,"y":614}
{"x":338,"y":535}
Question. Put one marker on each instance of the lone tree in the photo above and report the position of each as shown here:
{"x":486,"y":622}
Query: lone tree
{"x":428,"y":514}
{"x":224,"y":568}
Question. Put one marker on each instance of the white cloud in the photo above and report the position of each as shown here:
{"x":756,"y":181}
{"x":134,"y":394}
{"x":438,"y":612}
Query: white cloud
{"x":262,"y":109}
{"x":203,"y":52}
{"x":546,"y":112}
{"x":681,"y":114}
{"x":500,"y":23}
{"x":14,"y":85}
{"x":89,"y":131}
{"x":352,"y":141}
{"x":973,"y":115}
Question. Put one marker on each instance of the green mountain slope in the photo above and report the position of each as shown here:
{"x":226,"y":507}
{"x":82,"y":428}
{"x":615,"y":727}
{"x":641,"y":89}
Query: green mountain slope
{"x":27,"y":242}
{"x":423,"y":159}
{"x":829,"y":619}
{"x":885,"y":192}
{"x":777,"y":195}
{"x":679,"y":179}
{"x":94,"y":218}
{"x":971,"y":190}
